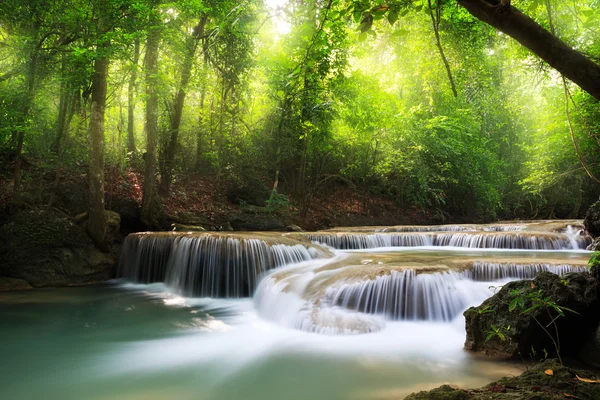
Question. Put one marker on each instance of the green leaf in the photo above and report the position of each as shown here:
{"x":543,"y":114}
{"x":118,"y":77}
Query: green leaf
{"x":362,"y":37}
{"x":366,"y":23}
{"x":392,"y":17}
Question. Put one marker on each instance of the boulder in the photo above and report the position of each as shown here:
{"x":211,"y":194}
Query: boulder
{"x":251,"y":192}
{"x":45,"y":250}
{"x":595,"y":245}
{"x":495,"y":330}
{"x":72,"y":198}
{"x":130,"y":214}
{"x":294,"y":228}
{"x":592,"y":220}
{"x":546,"y":381}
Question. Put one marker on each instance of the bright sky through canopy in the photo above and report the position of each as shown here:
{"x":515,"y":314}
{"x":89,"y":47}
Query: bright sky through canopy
{"x":283,"y":27}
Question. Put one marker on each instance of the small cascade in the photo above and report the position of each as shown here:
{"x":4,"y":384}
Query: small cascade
{"x":440,"y":296}
{"x":510,"y":240}
{"x":428,"y":228}
{"x":351,"y":241}
{"x":478,"y":239}
{"x":205,"y":265}
{"x":487,"y":272}
{"x":503,"y":228}
{"x":281,"y":300}
{"x":406,"y":295}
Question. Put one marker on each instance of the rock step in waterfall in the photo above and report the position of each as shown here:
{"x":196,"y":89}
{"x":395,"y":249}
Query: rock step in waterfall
{"x":358,"y":292}
{"x":209,"y":264}
{"x":349,"y":292}
{"x":481,"y":240}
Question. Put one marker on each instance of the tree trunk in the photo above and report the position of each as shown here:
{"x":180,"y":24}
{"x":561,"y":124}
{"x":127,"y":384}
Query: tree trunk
{"x":200,"y":126}
{"x":150,"y":203}
{"x":131,"y":98}
{"x":97,"y":220}
{"x":435,"y":20}
{"x":186,"y":73}
{"x":20,"y":132}
{"x":566,"y":60}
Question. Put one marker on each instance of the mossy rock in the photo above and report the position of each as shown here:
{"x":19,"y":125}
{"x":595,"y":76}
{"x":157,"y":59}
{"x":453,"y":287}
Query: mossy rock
{"x":546,"y":381}
{"x":46,"y":250}
{"x":592,"y":220}
{"x":520,"y":332}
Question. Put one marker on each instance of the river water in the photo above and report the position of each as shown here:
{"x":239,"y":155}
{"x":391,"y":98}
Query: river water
{"x":129,"y":340}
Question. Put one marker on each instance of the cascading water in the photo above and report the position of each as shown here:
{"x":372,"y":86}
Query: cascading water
{"x":487,"y":272}
{"x":357,"y":292}
{"x":481,"y":240}
{"x":205,"y":265}
{"x":298,"y":337}
{"x":406,"y":295}
{"x":349,"y":241}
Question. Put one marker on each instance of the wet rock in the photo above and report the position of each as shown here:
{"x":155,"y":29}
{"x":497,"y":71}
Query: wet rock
{"x":592,"y":220}
{"x":595,"y":245}
{"x":45,"y":250}
{"x":294,"y":228}
{"x":546,"y":381}
{"x":495,"y":330}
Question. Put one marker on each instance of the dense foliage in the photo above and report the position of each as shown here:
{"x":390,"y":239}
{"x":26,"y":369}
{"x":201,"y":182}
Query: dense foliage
{"x":413,"y":100}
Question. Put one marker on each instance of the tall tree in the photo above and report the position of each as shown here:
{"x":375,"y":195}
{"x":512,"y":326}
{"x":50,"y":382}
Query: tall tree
{"x":191,"y":45}
{"x":150,"y":203}
{"x":131,"y":97}
{"x":97,"y":218}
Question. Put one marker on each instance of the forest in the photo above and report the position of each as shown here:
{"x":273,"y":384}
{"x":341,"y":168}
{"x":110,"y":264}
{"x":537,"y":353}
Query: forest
{"x":415,"y":106}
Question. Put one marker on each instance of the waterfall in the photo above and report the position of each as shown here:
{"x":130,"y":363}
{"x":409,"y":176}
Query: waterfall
{"x":428,"y":228}
{"x":441,"y":296}
{"x":487,"y":272}
{"x":406,"y":295}
{"x":481,"y":240}
{"x":510,"y":240}
{"x":205,"y":265}
{"x":349,"y":241}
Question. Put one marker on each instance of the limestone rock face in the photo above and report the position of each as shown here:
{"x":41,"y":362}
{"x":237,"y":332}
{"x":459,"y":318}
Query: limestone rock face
{"x":43,"y":249}
{"x":592,"y":220}
{"x":517,"y":332}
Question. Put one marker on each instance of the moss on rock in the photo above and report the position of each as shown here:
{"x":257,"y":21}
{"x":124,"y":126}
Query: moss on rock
{"x":46,"y":250}
{"x":546,"y":381}
{"x":521,"y":335}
